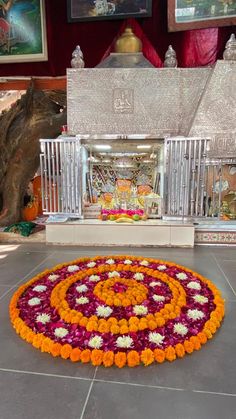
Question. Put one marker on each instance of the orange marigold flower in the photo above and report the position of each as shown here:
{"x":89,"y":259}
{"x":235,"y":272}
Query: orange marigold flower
{"x":196,"y":342}
{"x":120,"y":359}
{"x":147,"y":357}
{"x":109,"y":301}
{"x":96,"y":357}
{"x":30,"y":336}
{"x":211,"y":326}
{"x":152,"y":324}
{"x":123,"y":322}
{"x":104,"y":328}
{"x":92,"y":326}
{"x":160,"y":321}
{"x":108,"y":358}
{"x":66,"y":351}
{"x":112,"y":320}
{"x":159,"y":355}
{"x":67,"y":317}
{"x":202,"y":337}
{"x":133,"y":359}
{"x":117,"y":302}
{"x":143,"y":324}
{"x":83,"y":322}
{"x":124,"y":329}
{"x":46,"y":345}
{"x":37,"y":341}
{"x":56,"y":349}
{"x":180,"y":351}
{"x":207,"y":333}
{"x":75,"y":354}
{"x":188,"y":346}
{"x":134,"y":320}
{"x":115,"y":329}
{"x":133,"y":328}
{"x":170,"y":353}
{"x":85,"y":356}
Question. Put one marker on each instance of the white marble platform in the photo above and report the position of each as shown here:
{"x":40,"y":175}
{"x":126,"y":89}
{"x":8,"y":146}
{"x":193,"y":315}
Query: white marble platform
{"x":108,"y":233}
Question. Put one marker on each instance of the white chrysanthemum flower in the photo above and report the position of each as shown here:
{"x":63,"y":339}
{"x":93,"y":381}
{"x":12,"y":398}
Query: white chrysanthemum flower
{"x":103,"y":311}
{"x":158,"y":298}
{"x":34,"y":301}
{"x":53,"y":277}
{"x":180,"y":329}
{"x":144,"y":263}
{"x":128,"y":262}
{"x":40,"y":288}
{"x":94,"y":278}
{"x":140,"y":310}
{"x":195,"y":314}
{"x":200,"y":299}
{"x":124,"y":342}
{"x":110,"y":261}
{"x":60,"y":332}
{"x":82,"y":300}
{"x":81,"y":288}
{"x":155,"y":284}
{"x":139,"y":276}
{"x":156,"y":338}
{"x":113,"y":274}
{"x":182,"y":276}
{"x":194,"y":286}
{"x":43,"y":318}
{"x":91,"y":264}
{"x":95,"y":342}
{"x":162,"y":268}
{"x":72,"y":268}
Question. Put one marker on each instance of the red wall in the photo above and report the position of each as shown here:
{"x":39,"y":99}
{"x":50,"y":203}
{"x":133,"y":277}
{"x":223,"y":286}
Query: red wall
{"x":95,"y":37}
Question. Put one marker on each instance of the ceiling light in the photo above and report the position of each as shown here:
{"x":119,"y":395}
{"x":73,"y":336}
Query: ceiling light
{"x":144,"y":146}
{"x":102,"y":147}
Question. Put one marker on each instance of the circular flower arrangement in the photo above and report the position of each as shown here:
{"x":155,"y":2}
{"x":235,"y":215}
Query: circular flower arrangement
{"x":117,"y":310}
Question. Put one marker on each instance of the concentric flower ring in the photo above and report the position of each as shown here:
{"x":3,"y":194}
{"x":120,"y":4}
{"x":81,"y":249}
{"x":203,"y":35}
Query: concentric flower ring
{"x":117,"y":310}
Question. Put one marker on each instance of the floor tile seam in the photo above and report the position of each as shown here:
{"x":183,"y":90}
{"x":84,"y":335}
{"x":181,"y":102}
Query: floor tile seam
{"x":93,"y":380}
{"x":88,"y":394}
{"x":24,"y":278}
{"x":214,"y":393}
{"x":164,"y":387}
{"x":44,"y":374}
{"x":225,"y":276}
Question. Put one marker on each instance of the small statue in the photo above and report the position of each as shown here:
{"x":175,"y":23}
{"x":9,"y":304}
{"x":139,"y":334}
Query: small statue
{"x":170,"y":58}
{"x":230,"y":49}
{"x":77,"y":58}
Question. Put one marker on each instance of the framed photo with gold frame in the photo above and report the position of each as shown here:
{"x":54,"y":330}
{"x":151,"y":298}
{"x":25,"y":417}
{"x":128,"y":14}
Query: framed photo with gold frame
{"x":196,"y":14}
{"x":22,"y":31}
{"x":85,"y":10}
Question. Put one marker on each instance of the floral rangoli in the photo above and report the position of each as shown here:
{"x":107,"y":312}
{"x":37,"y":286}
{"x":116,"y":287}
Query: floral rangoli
{"x":121,"y":310}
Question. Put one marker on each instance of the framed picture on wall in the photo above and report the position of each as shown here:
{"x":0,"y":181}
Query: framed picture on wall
{"x":195,"y":14}
{"x":22,"y":31}
{"x":82,"y":10}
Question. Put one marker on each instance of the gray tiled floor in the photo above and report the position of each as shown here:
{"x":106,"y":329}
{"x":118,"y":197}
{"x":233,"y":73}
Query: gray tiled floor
{"x":32,"y":384}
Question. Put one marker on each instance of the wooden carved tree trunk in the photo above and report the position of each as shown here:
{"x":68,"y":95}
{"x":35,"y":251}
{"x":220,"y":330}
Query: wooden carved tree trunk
{"x":33,"y":117}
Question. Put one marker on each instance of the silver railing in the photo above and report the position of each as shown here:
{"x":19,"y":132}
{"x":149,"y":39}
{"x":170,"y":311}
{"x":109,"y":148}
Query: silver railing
{"x":185,"y":176}
{"x":215,"y":187}
{"x":61,"y":176}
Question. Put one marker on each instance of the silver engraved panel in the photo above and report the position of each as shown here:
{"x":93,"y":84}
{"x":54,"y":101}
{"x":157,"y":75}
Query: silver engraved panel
{"x":216,"y":114}
{"x":152,"y":101}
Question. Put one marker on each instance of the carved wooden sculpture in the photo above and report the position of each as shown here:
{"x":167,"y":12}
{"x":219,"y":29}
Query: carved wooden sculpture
{"x":33,"y":117}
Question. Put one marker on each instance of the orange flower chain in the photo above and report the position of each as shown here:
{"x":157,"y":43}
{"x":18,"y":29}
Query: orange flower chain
{"x":117,"y":310}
